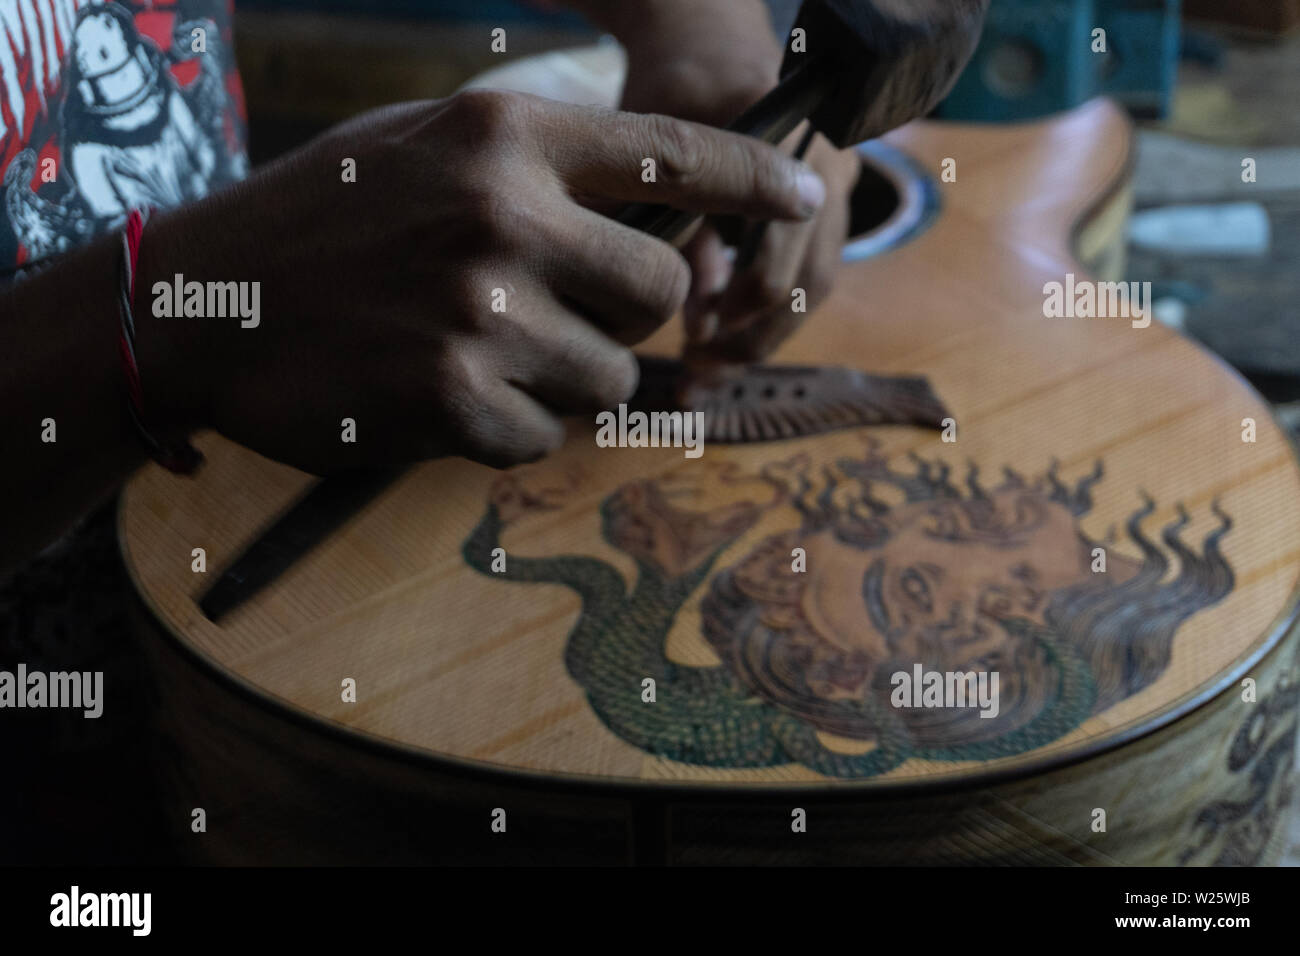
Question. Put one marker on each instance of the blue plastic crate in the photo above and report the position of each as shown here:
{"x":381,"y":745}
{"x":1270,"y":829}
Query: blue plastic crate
{"x":1036,"y":58}
{"x":1144,"y":39}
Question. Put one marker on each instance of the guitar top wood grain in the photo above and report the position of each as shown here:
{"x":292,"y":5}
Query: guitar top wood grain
{"x":770,"y":593}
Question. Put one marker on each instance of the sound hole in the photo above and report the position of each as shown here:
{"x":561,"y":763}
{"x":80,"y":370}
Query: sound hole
{"x":895,"y":200}
{"x":874,"y":201}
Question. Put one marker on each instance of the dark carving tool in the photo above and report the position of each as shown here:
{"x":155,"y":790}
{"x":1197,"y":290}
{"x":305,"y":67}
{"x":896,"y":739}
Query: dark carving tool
{"x":864,"y":68}
{"x":315,"y":516}
{"x":754,"y":404}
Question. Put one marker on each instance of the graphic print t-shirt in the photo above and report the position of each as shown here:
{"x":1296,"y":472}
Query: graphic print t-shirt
{"x":107,"y":107}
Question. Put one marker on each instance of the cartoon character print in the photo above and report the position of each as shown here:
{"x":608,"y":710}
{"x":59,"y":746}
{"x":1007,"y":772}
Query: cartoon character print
{"x":123,"y":131}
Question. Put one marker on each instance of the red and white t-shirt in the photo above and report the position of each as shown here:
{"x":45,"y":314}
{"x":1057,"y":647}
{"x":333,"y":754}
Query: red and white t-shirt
{"x":110,"y":106}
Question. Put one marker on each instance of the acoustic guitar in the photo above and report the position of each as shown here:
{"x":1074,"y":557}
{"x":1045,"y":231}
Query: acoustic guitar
{"x":629,"y":655}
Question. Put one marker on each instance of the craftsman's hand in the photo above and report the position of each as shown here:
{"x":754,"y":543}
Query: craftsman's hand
{"x":458,"y":295}
{"x":709,"y":60}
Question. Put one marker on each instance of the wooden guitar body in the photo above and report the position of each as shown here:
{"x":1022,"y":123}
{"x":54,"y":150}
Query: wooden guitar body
{"x":630,"y":655}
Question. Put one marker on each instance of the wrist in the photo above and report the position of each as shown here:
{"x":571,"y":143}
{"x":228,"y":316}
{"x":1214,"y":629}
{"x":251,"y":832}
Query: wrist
{"x":173,"y":352}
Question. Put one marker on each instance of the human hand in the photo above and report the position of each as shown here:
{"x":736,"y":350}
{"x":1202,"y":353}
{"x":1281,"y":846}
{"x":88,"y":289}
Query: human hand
{"x":708,"y":61}
{"x":460,"y":295}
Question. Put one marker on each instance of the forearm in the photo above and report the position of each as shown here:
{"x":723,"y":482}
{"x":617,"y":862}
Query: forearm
{"x":65,"y":428}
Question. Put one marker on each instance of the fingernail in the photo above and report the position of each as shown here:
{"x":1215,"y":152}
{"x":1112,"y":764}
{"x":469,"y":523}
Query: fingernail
{"x":811,"y":190}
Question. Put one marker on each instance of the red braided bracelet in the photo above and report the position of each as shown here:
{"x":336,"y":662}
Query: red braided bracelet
{"x":179,"y":457}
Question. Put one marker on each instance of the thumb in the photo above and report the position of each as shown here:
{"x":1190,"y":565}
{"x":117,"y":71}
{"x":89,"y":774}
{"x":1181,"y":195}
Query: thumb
{"x":711,"y":270}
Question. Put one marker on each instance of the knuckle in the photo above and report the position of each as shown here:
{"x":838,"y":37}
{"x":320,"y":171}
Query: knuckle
{"x":488,"y":114}
{"x":666,"y":281}
{"x":463,"y":380}
{"x":684,"y":152}
{"x":767,"y":172}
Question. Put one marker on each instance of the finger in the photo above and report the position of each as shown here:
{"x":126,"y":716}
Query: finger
{"x":627,"y":283}
{"x":508,"y":427}
{"x":657,"y":159}
{"x":711,"y":270}
{"x":759,"y":336}
{"x":826,"y":253}
{"x":702,"y":316}
{"x":764,"y":333}
{"x":768,"y":284}
{"x":753,"y":337}
{"x":569,"y":365}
